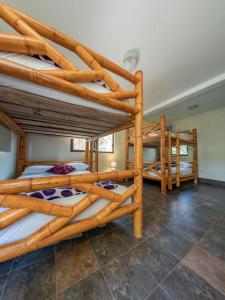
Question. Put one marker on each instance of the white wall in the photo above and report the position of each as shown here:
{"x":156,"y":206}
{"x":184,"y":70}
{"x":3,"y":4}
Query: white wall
{"x":8,"y":159}
{"x":211,"y":142}
{"x":44,"y":148}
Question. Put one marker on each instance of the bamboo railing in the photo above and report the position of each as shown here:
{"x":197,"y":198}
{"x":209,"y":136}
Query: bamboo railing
{"x":32,"y":41}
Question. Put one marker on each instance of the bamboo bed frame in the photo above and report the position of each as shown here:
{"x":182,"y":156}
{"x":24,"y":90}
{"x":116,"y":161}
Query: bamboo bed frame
{"x":32,"y":41}
{"x":162,"y":141}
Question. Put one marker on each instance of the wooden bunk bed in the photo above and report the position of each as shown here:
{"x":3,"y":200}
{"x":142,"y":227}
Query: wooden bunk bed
{"x":156,"y":136}
{"x":26,"y":110}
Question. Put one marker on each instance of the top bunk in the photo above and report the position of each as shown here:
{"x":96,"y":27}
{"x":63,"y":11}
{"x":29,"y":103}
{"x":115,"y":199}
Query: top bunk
{"x":155,"y":132}
{"x":44,"y":92}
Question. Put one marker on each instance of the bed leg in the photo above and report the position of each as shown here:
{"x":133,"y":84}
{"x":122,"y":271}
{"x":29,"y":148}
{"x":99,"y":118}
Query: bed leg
{"x":138,"y":157}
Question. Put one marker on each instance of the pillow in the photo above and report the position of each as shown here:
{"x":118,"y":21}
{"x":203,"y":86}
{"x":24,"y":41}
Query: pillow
{"x":79,"y":166}
{"x":61,"y":169}
{"x":39,"y":169}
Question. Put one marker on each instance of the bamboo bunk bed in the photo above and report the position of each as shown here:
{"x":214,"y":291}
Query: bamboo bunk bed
{"x":29,"y":112}
{"x":156,"y":136}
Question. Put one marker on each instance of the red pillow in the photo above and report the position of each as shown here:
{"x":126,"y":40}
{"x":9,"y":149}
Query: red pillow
{"x":61,"y":169}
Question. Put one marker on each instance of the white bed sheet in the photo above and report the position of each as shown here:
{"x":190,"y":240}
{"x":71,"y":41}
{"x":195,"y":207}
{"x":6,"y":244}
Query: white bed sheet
{"x":23,"y":85}
{"x":34,"y":221}
{"x":183,"y":172}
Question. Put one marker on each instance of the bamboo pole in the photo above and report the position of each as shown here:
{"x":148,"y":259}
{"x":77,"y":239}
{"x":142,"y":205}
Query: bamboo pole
{"x":177,"y":159}
{"x":9,"y":123}
{"x":76,"y":76}
{"x":126,"y":149}
{"x":21,"y":154}
{"x":86,"y":155}
{"x":15,"y":186}
{"x":36,"y":76}
{"x":195,"y":155}
{"x":13,"y":215}
{"x":169,"y":158}
{"x":163,"y":153}
{"x":15,"y":249}
{"x":96,"y":156}
{"x":91,"y":157}
{"x":93,"y":64}
{"x":69,"y":43}
{"x":138,"y":156}
{"x":22,"y":27}
{"x":21,"y":44}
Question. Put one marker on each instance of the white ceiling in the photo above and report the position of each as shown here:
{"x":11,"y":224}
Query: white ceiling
{"x":182,"y":42}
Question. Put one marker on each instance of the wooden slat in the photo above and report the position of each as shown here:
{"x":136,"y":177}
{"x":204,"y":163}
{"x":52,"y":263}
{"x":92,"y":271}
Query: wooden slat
{"x":27,"y":123}
{"x":26,"y":112}
{"x":45,"y":132}
{"x":10,"y":95}
{"x":57,"y":130}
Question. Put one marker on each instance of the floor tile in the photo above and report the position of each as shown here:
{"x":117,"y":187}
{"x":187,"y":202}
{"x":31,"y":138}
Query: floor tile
{"x":159,"y":294}
{"x":99,"y":230}
{"x":74,"y":264}
{"x":91,"y":287}
{"x":209,"y":267}
{"x":152,"y":223}
{"x":213,"y":241}
{"x":3,"y":279}
{"x":185,"y":284}
{"x":158,"y":260}
{"x":5,"y":267}
{"x":32,"y":257}
{"x":127,"y":278}
{"x":173,"y":242}
{"x":107,"y":246}
{"x":70,"y":243}
{"x":126,"y":234}
{"x":36,"y":281}
{"x":190,"y":228}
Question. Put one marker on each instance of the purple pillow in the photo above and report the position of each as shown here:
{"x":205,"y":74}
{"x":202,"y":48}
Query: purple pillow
{"x":61,"y":169}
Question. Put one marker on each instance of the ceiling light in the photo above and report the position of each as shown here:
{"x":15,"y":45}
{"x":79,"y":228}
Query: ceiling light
{"x":193,"y":107}
{"x":131,"y":59}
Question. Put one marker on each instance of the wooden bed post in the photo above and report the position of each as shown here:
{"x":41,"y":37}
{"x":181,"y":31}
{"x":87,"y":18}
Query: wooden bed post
{"x":138,"y":156}
{"x":86,"y":159}
{"x":195,"y":155}
{"x":169,"y":159}
{"x":91,"y":156}
{"x":21,"y":156}
{"x":177,"y":159}
{"x":96,"y":155}
{"x":163,"y":153}
{"x":126,"y":149}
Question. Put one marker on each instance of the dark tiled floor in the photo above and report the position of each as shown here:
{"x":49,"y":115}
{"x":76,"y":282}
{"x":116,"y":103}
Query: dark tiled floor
{"x":181,"y":256}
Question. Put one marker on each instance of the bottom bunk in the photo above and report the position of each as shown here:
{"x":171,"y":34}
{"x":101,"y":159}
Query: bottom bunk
{"x":28,"y":223}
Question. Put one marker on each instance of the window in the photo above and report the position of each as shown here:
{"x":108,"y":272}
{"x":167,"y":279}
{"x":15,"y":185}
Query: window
{"x":183,"y":150}
{"x":106,"y":144}
{"x":77,"y":145}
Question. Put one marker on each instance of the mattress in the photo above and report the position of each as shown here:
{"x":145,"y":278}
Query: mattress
{"x":183,"y":172}
{"x":28,"y":225}
{"x":23,"y":85}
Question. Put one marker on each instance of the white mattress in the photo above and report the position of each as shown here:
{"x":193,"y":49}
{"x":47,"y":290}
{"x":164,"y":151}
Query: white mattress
{"x":23,"y":85}
{"x":34,"y":221}
{"x":183,"y":172}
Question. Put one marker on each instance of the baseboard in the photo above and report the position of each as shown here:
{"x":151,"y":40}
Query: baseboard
{"x":212,"y":181}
